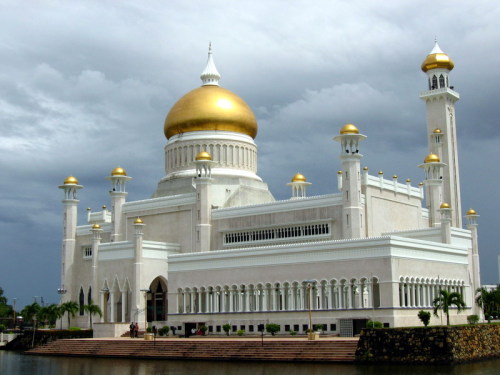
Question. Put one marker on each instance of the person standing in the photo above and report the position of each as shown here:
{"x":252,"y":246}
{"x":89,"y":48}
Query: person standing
{"x":132,"y":329}
{"x":136,"y":329}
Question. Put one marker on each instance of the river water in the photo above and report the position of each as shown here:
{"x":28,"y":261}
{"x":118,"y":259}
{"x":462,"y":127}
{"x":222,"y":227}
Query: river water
{"x":12,"y":363}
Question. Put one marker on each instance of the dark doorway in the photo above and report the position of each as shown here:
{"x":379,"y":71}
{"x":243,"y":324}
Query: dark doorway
{"x":188,"y":327}
{"x":357,"y":325}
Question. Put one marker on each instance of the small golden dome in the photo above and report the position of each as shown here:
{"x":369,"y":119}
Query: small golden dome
{"x":432,"y":158}
{"x":210,"y":107}
{"x":96,"y":226}
{"x":89,"y":209}
{"x":471,"y":212}
{"x":118,"y":171}
{"x":437,"y":59}
{"x":103,"y":206}
{"x":203,"y":155}
{"x":70,"y":180}
{"x":437,"y":131}
{"x":444,"y":205}
{"x":138,"y":221}
{"x":298,"y":178}
{"x":420,"y":184}
{"x":365,"y":168}
{"x":349,"y":129}
{"x":408,"y":180}
{"x":339,"y":172}
{"x":395,"y":176}
{"x":380,"y":172}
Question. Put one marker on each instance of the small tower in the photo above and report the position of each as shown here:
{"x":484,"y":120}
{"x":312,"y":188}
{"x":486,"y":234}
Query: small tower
{"x":472,"y":217}
{"x":203,"y":182}
{"x":96,"y":241}
{"x":440,"y":99}
{"x":299,"y":185}
{"x":352,"y":220}
{"x":70,"y":202}
{"x":137,"y":297}
{"x":118,"y":195}
{"x":433,"y":183}
{"x":445,"y":211}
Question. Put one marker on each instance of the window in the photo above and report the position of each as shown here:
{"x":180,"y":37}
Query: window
{"x":333,"y":327}
{"x":217,"y":328}
{"x":87,"y":252}
{"x":441,"y":81}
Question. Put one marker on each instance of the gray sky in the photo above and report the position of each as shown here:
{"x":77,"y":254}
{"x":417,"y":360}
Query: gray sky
{"x":85,"y":86}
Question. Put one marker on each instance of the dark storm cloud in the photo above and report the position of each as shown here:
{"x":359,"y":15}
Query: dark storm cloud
{"x":85,"y":87}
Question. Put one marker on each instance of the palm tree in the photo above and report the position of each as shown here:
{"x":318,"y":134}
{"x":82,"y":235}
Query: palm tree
{"x":92,"y":310}
{"x":445,"y":300}
{"x":488,"y":300}
{"x":29,"y":312}
{"x":49,"y":314}
{"x":71,"y":308}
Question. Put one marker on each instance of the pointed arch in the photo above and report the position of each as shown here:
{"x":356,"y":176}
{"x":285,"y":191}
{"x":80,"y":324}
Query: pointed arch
{"x":157,"y":300}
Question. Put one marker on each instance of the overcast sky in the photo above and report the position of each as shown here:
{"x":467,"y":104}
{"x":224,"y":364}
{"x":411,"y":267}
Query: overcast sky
{"x":85,"y":86}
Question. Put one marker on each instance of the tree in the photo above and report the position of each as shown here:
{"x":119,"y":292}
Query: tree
{"x":425,"y":317}
{"x":272,"y":328}
{"x":49,"y":314}
{"x":92,"y":310}
{"x":488,"y":301}
{"x":445,"y":300}
{"x":70,"y":308}
{"x":226,"y":327}
{"x":29,"y":312}
{"x":5,"y":309}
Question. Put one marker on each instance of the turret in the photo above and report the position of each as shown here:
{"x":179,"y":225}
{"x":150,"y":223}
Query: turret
{"x":299,"y":185}
{"x":138,"y":302}
{"x":70,"y":202}
{"x":203,"y":183}
{"x":118,"y":195}
{"x":472,"y":217}
{"x":433,"y":183}
{"x":440,"y":101}
{"x":352,"y":220}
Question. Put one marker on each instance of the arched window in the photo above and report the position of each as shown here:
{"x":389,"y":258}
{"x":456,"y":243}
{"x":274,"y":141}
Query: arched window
{"x":441,"y":81}
{"x":434,"y":83}
{"x":82,"y":301}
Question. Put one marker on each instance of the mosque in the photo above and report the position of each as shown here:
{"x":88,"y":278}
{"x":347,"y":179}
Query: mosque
{"x":212,"y":246}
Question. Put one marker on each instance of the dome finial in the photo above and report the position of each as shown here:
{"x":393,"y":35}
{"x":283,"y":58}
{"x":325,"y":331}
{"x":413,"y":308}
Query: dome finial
{"x":210,"y":76}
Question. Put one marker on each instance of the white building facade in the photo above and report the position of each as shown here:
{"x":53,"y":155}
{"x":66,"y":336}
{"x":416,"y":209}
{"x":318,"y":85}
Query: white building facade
{"x":213,"y":246}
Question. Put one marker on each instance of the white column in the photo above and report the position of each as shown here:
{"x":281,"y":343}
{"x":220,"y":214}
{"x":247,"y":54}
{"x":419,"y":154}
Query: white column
{"x":402,"y":293}
{"x":247,"y":299}
{"x":124,"y":306}
{"x":112,"y":304}
{"x":103,"y":307}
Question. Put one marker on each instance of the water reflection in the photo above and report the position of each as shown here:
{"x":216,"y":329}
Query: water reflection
{"x":18,"y":364}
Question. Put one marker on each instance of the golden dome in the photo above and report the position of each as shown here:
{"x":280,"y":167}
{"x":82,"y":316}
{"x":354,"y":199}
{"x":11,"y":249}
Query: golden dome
{"x":138,"y":221}
{"x":365,"y":168}
{"x":339,"y":172}
{"x":437,"y":59}
{"x":437,"y":131}
{"x":96,"y":226}
{"x":349,"y":129}
{"x":432,"y":158}
{"x":395,"y":176}
{"x":444,"y":205}
{"x":118,"y":171}
{"x":380,"y":172}
{"x":203,"y":156}
{"x":210,"y":107}
{"x":408,"y":180}
{"x":471,"y":212}
{"x":70,"y":180}
{"x":299,"y":178}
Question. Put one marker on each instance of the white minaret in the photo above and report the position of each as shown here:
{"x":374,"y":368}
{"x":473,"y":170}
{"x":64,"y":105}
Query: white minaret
{"x":471,"y":217}
{"x":70,"y":202}
{"x":138,"y":305}
{"x":203,"y":182}
{"x":434,"y":187}
{"x":352,"y":220}
{"x":440,"y":101}
{"x":96,"y":241}
{"x":299,"y":186}
{"x":118,"y":195}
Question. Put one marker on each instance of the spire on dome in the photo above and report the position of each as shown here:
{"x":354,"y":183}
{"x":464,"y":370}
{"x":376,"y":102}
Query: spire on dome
{"x":436,"y":48}
{"x":210,"y":76}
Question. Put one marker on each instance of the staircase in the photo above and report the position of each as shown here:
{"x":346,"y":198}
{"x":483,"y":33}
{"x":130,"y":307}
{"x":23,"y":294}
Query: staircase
{"x":206,"y":349}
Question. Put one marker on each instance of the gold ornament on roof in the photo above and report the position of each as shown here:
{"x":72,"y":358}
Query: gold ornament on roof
{"x":118,"y":171}
{"x":471,"y":212}
{"x":349,"y":129}
{"x":432,"y":158}
{"x":444,"y":205}
{"x":203,"y":155}
{"x":138,"y":221}
{"x":70,"y":180}
{"x":437,"y":59}
{"x":96,"y":226}
{"x":437,"y":131}
{"x":299,"y":178}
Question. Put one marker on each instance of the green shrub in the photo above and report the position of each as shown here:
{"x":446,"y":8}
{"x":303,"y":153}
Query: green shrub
{"x":293,"y":333}
{"x":472,"y":319}
{"x":425,"y":317}
{"x":149,"y":330}
{"x":227,"y":328}
{"x":74,"y":329}
{"x":2,"y":327}
{"x":240,"y":332}
{"x":203,"y":330}
{"x":374,"y":324}
{"x":272,"y":328}
{"x":163,"y":331}
{"x":318,"y":327}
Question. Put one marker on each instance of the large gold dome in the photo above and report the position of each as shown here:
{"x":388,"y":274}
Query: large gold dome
{"x":437,"y":59}
{"x":210,"y":107}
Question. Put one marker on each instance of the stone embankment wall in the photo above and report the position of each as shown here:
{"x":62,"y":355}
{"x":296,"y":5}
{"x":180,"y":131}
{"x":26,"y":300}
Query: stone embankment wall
{"x":438,"y":345}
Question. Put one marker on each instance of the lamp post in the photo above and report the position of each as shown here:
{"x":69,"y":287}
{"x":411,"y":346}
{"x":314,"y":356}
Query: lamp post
{"x":145,"y":291}
{"x":309,"y":299}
